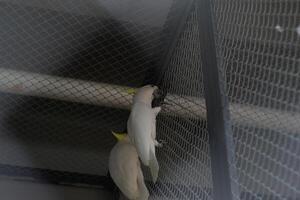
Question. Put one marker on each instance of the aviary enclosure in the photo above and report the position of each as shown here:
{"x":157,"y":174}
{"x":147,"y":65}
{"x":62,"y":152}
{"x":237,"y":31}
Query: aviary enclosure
{"x":231,"y":69}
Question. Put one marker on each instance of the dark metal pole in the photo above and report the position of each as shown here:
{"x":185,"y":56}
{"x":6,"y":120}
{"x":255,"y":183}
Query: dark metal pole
{"x":219,"y":128}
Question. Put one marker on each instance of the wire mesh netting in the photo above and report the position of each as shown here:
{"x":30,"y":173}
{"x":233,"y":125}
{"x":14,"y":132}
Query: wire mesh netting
{"x":65,"y":66}
{"x":185,"y":159}
{"x":259,"y":50}
{"x":64,"y":53}
{"x":55,"y":52}
{"x":66,"y":57}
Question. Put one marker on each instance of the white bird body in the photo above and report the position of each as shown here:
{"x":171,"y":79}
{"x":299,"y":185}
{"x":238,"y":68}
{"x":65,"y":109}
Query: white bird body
{"x":125,"y":170}
{"x":141,"y":127}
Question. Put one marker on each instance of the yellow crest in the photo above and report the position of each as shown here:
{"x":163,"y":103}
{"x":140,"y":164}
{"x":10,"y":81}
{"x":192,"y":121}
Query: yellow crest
{"x":119,"y":136}
{"x":131,"y":91}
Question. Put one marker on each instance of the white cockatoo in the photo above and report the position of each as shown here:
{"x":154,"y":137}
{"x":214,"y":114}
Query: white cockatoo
{"x":141,"y":126}
{"x":125,"y":169}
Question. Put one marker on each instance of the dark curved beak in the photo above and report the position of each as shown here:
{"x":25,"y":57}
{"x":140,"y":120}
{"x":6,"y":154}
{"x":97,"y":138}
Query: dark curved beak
{"x":159,"y":93}
{"x":159,"y":97}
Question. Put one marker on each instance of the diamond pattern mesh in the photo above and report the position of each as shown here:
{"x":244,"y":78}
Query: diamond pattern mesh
{"x":185,"y":160}
{"x":76,"y":47}
{"x":258,"y":50}
{"x":114,"y":42}
{"x":70,"y":43}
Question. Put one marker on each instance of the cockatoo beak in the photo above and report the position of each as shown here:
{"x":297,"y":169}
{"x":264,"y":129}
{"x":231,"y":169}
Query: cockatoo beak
{"x":159,"y":98}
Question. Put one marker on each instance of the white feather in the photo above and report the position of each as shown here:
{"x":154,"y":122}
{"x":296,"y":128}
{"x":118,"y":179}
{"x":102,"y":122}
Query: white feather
{"x":125,"y":170}
{"x":141,"y":127}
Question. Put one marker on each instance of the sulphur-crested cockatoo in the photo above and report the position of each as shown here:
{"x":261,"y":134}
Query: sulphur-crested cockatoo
{"x":125,"y":169}
{"x":141,"y":126}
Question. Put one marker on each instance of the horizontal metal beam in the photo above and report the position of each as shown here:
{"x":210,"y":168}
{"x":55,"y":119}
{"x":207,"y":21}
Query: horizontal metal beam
{"x":65,"y":89}
{"x":115,"y":96}
{"x":87,"y":92}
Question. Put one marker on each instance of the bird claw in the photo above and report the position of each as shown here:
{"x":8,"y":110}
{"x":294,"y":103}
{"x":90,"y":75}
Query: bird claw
{"x":156,"y":110}
{"x":160,"y":143}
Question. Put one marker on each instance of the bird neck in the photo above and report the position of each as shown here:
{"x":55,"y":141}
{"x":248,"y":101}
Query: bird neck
{"x":145,"y":101}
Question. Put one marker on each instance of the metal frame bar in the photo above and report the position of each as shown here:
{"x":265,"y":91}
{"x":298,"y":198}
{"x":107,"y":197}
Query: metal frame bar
{"x":220,"y":136}
{"x":115,"y":96}
{"x":87,"y":92}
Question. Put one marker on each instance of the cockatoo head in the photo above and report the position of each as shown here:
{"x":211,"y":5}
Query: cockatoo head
{"x":149,"y":94}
